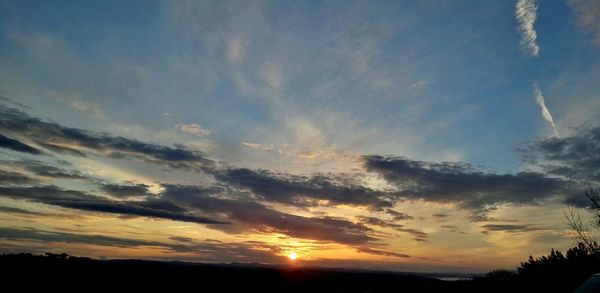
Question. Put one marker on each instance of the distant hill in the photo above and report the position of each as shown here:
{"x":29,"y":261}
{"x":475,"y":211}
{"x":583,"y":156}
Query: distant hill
{"x":53,"y":271}
{"x":60,"y":272}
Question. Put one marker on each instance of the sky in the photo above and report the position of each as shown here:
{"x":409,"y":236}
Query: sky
{"x":433,"y":136}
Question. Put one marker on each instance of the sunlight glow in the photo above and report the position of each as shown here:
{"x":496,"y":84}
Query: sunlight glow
{"x":292,"y":256}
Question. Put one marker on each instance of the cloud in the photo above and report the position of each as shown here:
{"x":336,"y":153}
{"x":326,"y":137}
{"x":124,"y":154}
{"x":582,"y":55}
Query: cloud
{"x":61,"y":149}
{"x":239,"y":198}
{"x":526,"y":14}
{"x":44,"y":170}
{"x":539,"y":99}
{"x":14,"y":178}
{"x":187,"y":203}
{"x":52,"y":236}
{"x":463,"y":184}
{"x":510,"y":228}
{"x":32,"y":214}
{"x":88,"y":107}
{"x":15,"y":145}
{"x":235,"y":50}
{"x":193,"y":129}
{"x":8,"y":100}
{"x":263,"y":147}
{"x":124,"y":191}
{"x":319,"y":189}
{"x":453,"y":229}
{"x":12,"y":210}
{"x":381,"y":252}
{"x":576,"y":157}
{"x":201,"y":250}
{"x":418,"y":86}
{"x":372,"y":221}
{"x":398,"y":216}
{"x":73,"y":199}
{"x":234,"y":200}
{"x":217,"y":251}
{"x":418,"y":234}
{"x":588,"y":16}
{"x":251,"y":215}
{"x":20,"y":124}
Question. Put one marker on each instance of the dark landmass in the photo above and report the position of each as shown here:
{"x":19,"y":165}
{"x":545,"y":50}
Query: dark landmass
{"x":68,"y":273}
{"x":79,"y":273}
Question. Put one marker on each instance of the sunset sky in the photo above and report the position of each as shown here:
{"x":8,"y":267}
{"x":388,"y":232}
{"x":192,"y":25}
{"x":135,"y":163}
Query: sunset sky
{"x":398,"y":135}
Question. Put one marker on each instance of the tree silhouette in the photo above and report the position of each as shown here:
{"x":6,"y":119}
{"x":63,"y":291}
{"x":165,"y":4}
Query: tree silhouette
{"x":561,"y":272}
{"x":584,"y":232}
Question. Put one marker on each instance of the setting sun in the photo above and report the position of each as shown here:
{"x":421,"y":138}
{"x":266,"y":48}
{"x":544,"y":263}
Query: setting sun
{"x":292,"y":256}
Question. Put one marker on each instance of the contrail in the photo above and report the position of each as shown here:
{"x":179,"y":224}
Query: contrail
{"x":539,"y":98}
{"x":526,"y":14}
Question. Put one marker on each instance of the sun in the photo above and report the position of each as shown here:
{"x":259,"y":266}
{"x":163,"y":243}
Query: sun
{"x":292,"y":256}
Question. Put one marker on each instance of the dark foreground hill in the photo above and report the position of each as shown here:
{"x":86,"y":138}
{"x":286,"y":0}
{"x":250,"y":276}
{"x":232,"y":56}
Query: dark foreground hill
{"x":58,"y":272}
{"x":51,"y":272}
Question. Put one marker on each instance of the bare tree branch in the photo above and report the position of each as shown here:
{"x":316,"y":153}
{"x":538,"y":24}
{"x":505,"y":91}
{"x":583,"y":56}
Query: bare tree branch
{"x":576,"y":224}
{"x":593,"y":194}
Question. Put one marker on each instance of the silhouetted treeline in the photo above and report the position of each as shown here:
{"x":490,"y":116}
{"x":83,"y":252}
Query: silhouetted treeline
{"x":553,"y":273}
{"x":556,"y":272}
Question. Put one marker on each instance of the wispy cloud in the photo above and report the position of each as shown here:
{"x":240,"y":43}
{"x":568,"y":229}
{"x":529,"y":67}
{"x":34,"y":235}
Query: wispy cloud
{"x":588,"y":16}
{"x":193,"y":129}
{"x":510,"y":228}
{"x":88,"y":107}
{"x":539,"y":99}
{"x":235,"y":50}
{"x":526,"y":14}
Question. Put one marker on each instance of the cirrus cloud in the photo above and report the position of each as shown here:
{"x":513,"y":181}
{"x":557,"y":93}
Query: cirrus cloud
{"x":526,"y":14}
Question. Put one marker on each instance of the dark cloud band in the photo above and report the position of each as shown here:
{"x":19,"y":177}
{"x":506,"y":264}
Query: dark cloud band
{"x":463,"y":184}
{"x":63,"y":139}
{"x":15,"y":145}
